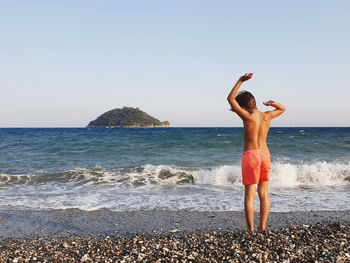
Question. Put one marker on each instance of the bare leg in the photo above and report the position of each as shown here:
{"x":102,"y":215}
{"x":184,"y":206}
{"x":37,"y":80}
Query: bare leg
{"x":263,"y":191}
{"x":249,"y":196}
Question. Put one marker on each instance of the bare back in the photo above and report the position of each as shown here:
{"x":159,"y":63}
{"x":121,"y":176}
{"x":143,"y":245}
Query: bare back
{"x":256,"y":123}
{"x":256,"y":129}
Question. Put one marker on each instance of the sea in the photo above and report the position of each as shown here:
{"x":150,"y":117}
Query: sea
{"x":168,"y":168}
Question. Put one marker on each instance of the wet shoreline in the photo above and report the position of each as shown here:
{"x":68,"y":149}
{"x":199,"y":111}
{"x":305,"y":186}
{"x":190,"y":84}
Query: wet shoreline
{"x":65,"y":222}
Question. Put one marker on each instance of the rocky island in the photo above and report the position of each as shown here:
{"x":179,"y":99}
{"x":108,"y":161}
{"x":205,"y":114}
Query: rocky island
{"x":127,"y":117}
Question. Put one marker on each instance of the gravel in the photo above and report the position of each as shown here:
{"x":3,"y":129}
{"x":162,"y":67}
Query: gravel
{"x":305,"y":243}
{"x":73,"y":235}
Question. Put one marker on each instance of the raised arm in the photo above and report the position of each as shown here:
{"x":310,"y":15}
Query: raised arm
{"x":232,"y":96}
{"x":279,"y":109}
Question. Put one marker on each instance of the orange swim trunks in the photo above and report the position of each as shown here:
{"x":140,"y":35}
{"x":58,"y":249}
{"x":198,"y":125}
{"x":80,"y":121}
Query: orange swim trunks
{"x":255,"y":166}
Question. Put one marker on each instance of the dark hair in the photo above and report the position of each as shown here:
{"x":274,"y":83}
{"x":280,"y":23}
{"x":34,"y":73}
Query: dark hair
{"x":246,"y":100}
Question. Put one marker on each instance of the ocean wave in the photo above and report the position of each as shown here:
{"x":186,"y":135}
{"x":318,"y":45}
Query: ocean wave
{"x":283,"y":174}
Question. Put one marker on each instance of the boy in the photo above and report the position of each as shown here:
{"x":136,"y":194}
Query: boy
{"x":256,"y":155}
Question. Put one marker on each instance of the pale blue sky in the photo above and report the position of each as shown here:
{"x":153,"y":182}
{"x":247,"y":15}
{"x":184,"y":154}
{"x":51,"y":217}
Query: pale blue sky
{"x":63,"y":63}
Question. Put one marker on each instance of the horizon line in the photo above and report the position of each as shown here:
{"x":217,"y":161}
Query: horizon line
{"x":79,"y":127}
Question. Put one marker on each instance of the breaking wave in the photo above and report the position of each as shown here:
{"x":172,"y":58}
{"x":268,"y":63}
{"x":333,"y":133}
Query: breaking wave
{"x":283,"y":175}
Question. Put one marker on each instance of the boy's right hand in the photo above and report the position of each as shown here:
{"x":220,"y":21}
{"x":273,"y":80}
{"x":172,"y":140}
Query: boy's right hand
{"x":246,"y":77}
{"x":268,"y":103}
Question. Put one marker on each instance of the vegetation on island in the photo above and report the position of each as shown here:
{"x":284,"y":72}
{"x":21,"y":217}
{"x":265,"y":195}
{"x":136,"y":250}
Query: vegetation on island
{"x":127,"y":117}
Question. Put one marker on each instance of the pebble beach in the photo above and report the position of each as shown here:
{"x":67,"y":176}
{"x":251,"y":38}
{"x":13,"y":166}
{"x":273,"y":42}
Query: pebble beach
{"x":315,"y":243}
{"x":172,"y":236}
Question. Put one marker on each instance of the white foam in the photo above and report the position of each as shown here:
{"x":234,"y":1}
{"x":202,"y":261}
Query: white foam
{"x":158,"y":187}
{"x":283,"y":174}
{"x":223,"y":175}
{"x":312,"y":174}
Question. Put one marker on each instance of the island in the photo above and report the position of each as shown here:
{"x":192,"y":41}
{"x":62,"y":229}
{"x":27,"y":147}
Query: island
{"x":127,"y":117}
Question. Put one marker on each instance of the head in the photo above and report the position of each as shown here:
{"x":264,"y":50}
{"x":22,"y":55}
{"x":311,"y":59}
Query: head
{"x":246,"y":100}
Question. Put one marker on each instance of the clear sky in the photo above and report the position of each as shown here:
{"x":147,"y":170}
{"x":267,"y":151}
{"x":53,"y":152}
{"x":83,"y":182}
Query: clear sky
{"x":63,"y":63}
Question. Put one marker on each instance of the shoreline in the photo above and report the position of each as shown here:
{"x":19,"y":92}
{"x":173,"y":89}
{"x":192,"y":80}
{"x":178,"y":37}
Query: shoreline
{"x":66,"y":222}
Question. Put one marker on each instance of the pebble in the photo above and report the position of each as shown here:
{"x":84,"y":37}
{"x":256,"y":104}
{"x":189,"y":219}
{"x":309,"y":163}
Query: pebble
{"x":305,"y":243}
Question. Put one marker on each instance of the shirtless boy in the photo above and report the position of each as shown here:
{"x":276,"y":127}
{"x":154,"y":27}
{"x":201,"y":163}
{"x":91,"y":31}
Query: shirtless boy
{"x":256,"y":155}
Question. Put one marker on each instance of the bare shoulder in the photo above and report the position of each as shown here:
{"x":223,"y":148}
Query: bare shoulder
{"x":264,"y":114}
{"x":271,"y":114}
{"x":244,"y":114}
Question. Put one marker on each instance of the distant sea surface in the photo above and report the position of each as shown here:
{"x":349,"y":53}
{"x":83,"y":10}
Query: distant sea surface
{"x":168,"y":168}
